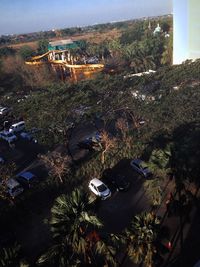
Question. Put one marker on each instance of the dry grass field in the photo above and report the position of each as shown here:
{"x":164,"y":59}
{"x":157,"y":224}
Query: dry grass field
{"x":92,"y":37}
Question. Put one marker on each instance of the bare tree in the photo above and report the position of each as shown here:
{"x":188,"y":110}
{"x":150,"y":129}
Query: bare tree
{"x":6,"y":172}
{"x":33,"y":76}
{"x":135,"y":120}
{"x":107,"y":143}
{"x":57,"y":164}
{"x":122,"y":125}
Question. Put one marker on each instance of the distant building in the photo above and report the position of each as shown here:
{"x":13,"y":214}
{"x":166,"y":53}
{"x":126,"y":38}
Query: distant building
{"x":157,"y":29}
{"x":186,"y":23}
{"x":149,"y":26}
{"x":62,"y":45}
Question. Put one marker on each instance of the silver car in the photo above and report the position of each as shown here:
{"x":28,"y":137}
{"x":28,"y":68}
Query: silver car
{"x":14,"y":188}
{"x":140,"y":166}
{"x":99,"y":188}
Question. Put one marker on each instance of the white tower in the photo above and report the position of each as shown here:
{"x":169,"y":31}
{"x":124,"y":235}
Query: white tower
{"x":186,"y":21}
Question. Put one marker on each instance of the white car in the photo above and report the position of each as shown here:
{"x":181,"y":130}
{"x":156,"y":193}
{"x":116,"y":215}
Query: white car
{"x":140,"y":166}
{"x":99,"y":188}
{"x":17,"y":127}
{"x":3,"y":110}
{"x":8,"y":136}
{"x":14,"y":188}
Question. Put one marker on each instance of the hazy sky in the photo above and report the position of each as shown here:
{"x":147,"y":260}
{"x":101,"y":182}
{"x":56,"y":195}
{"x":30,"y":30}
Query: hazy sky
{"x":22,"y":16}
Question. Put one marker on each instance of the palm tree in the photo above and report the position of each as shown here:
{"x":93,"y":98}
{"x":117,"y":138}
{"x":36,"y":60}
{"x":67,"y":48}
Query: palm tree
{"x":76,"y":239}
{"x":115,"y":48}
{"x":10,"y":257}
{"x":136,"y":58}
{"x":129,"y":52}
{"x":141,"y":237}
{"x":159,"y":164}
{"x":72,"y":219}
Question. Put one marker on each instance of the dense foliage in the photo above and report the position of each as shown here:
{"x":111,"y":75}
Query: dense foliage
{"x":166,"y":101}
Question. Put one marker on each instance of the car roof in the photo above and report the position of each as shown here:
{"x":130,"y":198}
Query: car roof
{"x":26,"y":175}
{"x":18,"y":123}
{"x":96,"y":182}
{"x":6,"y":132}
{"x":12,"y":183}
{"x":25,"y":134}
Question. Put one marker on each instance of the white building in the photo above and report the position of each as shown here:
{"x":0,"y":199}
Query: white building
{"x":157,"y":29}
{"x":186,"y":39}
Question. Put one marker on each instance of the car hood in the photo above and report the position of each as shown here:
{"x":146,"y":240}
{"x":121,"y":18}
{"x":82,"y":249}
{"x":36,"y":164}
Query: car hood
{"x":105,"y":193}
{"x":147,"y":172}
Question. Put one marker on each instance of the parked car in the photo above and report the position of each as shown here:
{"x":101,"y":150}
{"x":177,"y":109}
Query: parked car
{"x":99,"y":188}
{"x":4,"y":110}
{"x":140,"y":166}
{"x":2,"y":160}
{"x":119,"y":181}
{"x":90,"y":142}
{"x":14,"y":188}
{"x":8,"y":136}
{"x":27,"y":179}
{"x":85,"y":144}
{"x":28,"y":136}
{"x":17,"y":127}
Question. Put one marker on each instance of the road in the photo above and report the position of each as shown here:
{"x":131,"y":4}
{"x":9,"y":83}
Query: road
{"x":118,"y":211}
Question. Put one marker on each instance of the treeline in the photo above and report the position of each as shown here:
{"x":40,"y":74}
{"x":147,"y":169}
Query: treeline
{"x":35,"y":36}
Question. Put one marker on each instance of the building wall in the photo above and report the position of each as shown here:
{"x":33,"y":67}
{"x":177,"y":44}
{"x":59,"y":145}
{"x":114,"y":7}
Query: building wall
{"x":194,"y":29}
{"x":186,"y":42}
{"x":180,"y":34}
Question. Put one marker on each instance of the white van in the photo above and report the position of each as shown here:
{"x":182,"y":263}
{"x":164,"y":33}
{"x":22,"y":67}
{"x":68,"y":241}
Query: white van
{"x":14,"y":188}
{"x":17,"y":127}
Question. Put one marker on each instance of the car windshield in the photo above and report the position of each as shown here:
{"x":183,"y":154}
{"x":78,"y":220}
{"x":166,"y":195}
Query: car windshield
{"x":101,"y":188}
{"x":27,"y":176}
{"x":16,"y":188}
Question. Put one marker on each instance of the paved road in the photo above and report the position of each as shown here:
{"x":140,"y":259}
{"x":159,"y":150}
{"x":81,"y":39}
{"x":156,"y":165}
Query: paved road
{"x":118,"y":211}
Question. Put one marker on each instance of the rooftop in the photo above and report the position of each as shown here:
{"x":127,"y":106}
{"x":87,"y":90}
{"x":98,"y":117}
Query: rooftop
{"x":61,"y":42}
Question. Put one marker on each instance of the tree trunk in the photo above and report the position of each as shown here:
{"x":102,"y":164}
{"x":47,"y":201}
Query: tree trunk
{"x":103,"y":156}
{"x":181,"y":224}
{"x":60,"y":178}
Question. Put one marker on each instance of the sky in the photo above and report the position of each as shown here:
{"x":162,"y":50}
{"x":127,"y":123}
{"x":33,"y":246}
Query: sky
{"x":23,"y":16}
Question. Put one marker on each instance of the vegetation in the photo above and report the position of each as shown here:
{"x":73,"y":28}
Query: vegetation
{"x":154,"y":117}
{"x":10,"y":257}
{"x":75,"y":231}
{"x":58,"y":165}
{"x":142,"y":236}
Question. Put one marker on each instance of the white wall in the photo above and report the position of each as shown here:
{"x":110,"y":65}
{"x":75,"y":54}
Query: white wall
{"x":180,"y":32}
{"x":186,"y":24}
{"x":194,"y":29}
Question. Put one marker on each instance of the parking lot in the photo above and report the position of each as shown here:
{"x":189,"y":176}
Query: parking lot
{"x":118,"y":210}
